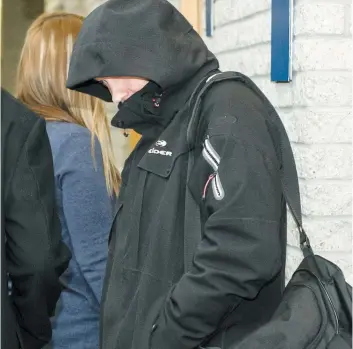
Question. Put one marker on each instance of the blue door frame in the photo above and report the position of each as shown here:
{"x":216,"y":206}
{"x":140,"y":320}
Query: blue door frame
{"x":281,"y":40}
{"x":281,"y":36}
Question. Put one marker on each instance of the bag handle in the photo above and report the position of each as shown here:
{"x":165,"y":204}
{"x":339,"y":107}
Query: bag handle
{"x":284,"y":153}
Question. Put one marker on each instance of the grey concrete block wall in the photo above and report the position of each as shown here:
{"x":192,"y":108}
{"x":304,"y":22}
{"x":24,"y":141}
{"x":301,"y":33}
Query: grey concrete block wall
{"x":316,"y":107}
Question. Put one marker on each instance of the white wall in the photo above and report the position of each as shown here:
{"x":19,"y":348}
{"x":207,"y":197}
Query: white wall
{"x":175,"y":3}
{"x":82,"y":7}
{"x":315,"y":107}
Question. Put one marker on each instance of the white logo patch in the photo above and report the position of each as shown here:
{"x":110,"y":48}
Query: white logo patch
{"x":161,"y":143}
{"x":160,"y":152}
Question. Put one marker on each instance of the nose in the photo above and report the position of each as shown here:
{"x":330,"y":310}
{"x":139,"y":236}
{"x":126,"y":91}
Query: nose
{"x":118,"y":95}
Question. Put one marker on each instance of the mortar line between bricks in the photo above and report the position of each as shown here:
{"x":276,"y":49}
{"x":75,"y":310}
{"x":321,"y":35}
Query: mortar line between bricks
{"x":331,"y":145}
{"x":241,"y":19}
{"x":319,"y":251}
{"x":325,"y":72}
{"x":317,"y":142}
{"x":314,"y":108}
{"x":259,"y":76}
{"x":242,"y":48}
{"x":333,"y":253}
{"x":327,"y":218}
{"x":318,"y":73}
{"x":313,"y":70}
{"x":305,"y":39}
{"x":296,"y":107}
{"x":321,"y":36}
{"x":348,"y":19}
{"x":323,"y":181}
{"x":336,"y":2}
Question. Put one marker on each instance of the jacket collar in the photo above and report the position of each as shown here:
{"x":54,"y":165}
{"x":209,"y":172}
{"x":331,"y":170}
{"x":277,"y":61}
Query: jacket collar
{"x":172,"y":141}
{"x":142,"y":111}
{"x":150,"y":111}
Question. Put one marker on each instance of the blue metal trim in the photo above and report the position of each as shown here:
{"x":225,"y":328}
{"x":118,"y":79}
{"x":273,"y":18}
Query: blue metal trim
{"x":209,"y":17}
{"x":281,"y":40}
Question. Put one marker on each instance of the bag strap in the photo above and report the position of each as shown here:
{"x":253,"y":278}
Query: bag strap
{"x":192,"y":222}
{"x":284,"y":153}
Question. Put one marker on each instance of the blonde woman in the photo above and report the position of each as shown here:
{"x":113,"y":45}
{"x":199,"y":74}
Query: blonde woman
{"x":87,"y":180}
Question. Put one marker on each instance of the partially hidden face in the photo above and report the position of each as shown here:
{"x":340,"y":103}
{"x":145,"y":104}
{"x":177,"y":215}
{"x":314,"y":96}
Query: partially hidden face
{"x":122,"y":88}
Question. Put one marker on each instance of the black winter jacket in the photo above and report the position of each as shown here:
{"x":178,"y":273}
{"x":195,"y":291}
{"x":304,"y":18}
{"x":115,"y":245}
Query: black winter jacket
{"x":33,"y":255}
{"x":151,"y":299}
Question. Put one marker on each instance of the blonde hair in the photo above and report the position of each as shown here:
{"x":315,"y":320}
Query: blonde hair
{"x":41,"y":84}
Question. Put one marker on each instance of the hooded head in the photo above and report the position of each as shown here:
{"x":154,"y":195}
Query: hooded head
{"x":146,"y":39}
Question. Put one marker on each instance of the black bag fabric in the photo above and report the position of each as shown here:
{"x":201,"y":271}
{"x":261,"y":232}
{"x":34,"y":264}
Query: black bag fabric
{"x":316,"y":309}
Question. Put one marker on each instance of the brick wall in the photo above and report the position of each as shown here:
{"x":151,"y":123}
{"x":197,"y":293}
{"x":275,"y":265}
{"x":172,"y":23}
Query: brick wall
{"x":315,"y":107}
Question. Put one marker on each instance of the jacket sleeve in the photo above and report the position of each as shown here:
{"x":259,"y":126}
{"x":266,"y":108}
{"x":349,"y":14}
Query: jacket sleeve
{"x":87,"y":207}
{"x":36,"y":255}
{"x":240,"y":250}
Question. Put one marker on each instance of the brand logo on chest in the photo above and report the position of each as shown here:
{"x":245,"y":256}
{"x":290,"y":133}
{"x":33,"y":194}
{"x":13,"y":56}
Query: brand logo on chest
{"x":161,"y":143}
{"x":160,"y":152}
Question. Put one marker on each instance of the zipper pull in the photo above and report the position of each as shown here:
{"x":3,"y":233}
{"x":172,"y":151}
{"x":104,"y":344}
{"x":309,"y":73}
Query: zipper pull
{"x":210,"y":178}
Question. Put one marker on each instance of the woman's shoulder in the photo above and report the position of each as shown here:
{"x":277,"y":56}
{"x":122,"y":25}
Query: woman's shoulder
{"x":64,"y":130}
{"x":71,"y":143}
{"x":67,"y":135}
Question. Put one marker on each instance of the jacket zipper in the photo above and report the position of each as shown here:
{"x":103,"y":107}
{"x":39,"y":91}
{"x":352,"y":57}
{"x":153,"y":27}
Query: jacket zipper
{"x":213,"y":159}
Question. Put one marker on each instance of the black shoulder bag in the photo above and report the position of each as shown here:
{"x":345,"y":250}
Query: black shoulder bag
{"x":316,"y":309}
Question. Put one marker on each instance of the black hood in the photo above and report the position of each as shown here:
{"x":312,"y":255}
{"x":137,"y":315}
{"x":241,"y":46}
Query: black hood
{"x":141,"y":38}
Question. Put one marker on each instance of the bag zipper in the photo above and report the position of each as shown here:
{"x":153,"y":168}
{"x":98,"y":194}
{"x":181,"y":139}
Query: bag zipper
{"x":327,"y":295}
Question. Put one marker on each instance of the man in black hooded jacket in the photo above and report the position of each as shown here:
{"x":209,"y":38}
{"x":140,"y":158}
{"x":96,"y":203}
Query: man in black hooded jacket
{"x":145,"y":56}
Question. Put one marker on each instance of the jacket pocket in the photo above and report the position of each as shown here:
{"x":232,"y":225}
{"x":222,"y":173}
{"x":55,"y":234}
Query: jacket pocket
{"x":154,"y":314}
{"x":153,"y":330}
{"x":160,"y":162}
